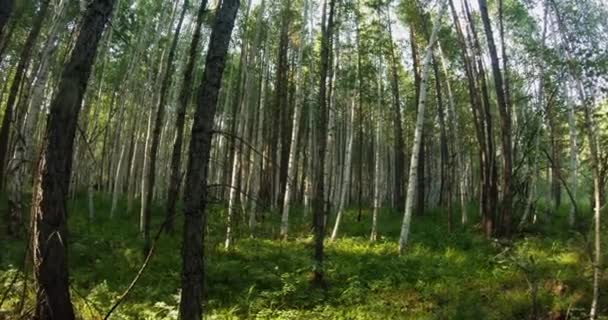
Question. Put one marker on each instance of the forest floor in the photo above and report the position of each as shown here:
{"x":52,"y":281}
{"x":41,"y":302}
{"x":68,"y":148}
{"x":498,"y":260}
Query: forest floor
{"x":544,"y":273}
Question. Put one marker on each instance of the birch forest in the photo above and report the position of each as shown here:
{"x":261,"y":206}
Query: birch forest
{"x":303,"y":159}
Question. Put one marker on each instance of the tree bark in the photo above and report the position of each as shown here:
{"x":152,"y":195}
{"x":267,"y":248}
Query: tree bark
{"x":195,"y":189}
{"x":399,"y":156}
{"x":49,"y":208}
{"x":290,"y":184}
{"x":426,"y":63}
{"x":180,"y":119}
{"x":346,"y":170}
{"x":320,"y":148}
{"x":505,"y":121}
{"x":158,"y":123}
{"x":24,"y":60}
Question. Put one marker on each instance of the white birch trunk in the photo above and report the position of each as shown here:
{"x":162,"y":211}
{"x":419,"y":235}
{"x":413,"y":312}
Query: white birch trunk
{"x":413,"y":176}
{"x":346,"y":173}
{"x":290,"y":186}
{"x":453,"y":122}
{"x":117,"y":181}
{"x":573,"y":161}
{"x":377,"y":188}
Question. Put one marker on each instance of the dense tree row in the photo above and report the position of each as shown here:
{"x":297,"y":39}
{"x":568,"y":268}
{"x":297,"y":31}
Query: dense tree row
{"x":496,"y":109}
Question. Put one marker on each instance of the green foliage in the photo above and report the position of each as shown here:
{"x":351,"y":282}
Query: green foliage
{"x":456,"y":275}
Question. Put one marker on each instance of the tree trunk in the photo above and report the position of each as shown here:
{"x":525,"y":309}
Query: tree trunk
{"x":346,"y":171}
{"x":158,"y":123}
{"x":420,"y":174}
{"x":290,"y":184}
{"x":489,"y":187}
{"x":573,"y":160}
{"x":409,"y":200}
{"x":399,"y":156}
{"x":11,"y":103}
{"x":195,"y":189}
{"x":320,"y":148}
{"x":377,"y":159}
{"x":505,"y":121}
{"x":180,"y":119}
{"x":49,"y":208}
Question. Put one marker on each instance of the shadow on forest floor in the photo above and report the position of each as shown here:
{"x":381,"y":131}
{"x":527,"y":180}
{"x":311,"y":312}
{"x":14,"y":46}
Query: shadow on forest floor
{"x":458,"y":275}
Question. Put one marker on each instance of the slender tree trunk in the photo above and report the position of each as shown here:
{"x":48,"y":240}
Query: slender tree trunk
{"x":505,"y":121}
{"x":22,"y":66}
{"x":377,"y":162}
{"x":49,"y":210}
{"x":489,"y":192}
{"x":346,"y":171}
{"x":158,"y":123}
{"x":453,"y":124}
{"x":239,"y":122}
{"x":420,"y":175}
{"x":117,"y":181}
{"x":290,"y":184}
{"x":399,"y":158}
{"x":426,"y":64}
{"x":195,"y":189}
{"x":23,"y":159}
{"x":180,"y":119}
{"x":321,"y":147}
{"x":573,"y":160}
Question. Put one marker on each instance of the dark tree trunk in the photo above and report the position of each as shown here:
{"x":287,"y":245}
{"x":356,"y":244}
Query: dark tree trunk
{"x":49,"y":207}
{"x":195,"y":189}
{"x":320,"y":149}
{"x":282,"y":107}
{"x":158,"y":124}
{"x":505,"y":121}
{"x":360,"y":109}
{"x":180,"y":119}
{"x":490,"y":191}
{"x":24,"y":60}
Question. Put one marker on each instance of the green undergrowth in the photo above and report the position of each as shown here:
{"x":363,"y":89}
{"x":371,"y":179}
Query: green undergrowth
{"x":544,"y":273}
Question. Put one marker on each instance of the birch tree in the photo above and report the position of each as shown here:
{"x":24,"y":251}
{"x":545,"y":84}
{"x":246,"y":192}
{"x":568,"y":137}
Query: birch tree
{"x":411,"y":189}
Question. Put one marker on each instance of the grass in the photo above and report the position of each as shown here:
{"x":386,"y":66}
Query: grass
{"x":543,"y":274}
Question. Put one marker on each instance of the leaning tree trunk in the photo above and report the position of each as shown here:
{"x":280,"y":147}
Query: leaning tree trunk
{"x":195,"y":189}
{"x":49,"y":207}
{"x":180,"y":119}
{"x":411,"y":189}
